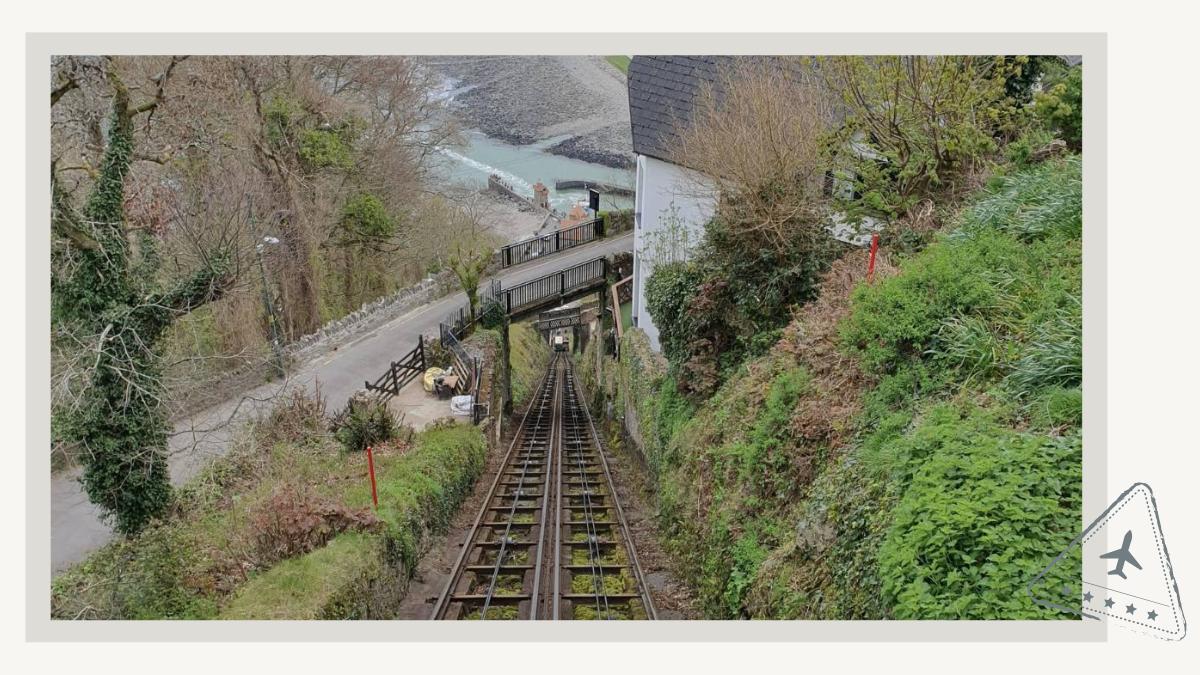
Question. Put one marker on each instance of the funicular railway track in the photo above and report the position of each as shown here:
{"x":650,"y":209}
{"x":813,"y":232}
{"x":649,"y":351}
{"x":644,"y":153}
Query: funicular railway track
{"x":550,"y":541}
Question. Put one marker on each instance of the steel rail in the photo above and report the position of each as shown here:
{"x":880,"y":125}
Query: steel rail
{"x":557,"y":443}
{"x":521,"y":436}
{"x":594,"y":483}
{"x":593,"y":535}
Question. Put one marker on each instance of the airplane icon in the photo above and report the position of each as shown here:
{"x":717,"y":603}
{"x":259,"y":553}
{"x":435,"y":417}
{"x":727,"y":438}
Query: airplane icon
{"x":1122,"y":556}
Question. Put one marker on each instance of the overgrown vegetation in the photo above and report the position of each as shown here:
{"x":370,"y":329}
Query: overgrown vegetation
{"x":729,"y":302}
{"x":529,"y":356}
{"x":418,"y":494}
{"x":366,"y":422}
{"x":919,"y":126}
{"x":1060,"y":105}
{"x":758,"y":136}
{"x":908,"y":450}
{"x":283,"y":528}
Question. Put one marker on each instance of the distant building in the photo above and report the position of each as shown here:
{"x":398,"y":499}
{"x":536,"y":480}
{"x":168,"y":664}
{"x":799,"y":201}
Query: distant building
{"x":541,"y":196}
{"x":662,"y":92}
{"x":578,"y":214}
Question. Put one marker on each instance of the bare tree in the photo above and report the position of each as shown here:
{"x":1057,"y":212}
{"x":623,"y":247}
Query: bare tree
{"x":756,"y":136}
{"x":471,"y":245}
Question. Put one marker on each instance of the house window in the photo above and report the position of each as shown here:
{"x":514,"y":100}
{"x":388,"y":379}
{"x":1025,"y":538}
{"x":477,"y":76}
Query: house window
{"x":827,"y":187}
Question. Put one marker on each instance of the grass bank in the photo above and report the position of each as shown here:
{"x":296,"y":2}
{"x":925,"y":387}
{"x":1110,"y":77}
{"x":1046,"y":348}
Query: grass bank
{"x":910,"y":449}
{"x":282,"y":527}
{"x":529,"y":355}
{"x":621,"y":63}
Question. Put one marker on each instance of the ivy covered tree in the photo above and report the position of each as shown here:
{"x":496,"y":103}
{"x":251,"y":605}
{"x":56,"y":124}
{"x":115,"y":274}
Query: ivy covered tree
{"x":106,"y":298}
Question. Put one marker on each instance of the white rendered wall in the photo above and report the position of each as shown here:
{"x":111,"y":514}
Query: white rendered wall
{"x":662,"y":187}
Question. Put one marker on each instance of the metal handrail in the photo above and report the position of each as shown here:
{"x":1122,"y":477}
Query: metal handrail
{"x":554,"y":242}
{"x":554,"y":284}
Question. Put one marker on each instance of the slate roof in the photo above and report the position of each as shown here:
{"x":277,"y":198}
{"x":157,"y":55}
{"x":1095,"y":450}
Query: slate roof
{"x":662,"y":91}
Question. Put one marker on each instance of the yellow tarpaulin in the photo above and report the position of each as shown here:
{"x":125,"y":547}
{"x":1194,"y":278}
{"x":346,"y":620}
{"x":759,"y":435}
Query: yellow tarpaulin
{"x":431,"y":375}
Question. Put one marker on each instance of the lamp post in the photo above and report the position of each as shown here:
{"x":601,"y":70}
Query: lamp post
{"x":276,"y":347}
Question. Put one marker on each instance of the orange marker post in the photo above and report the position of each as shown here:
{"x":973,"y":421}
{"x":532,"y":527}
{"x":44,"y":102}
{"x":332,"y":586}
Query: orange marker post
{"x":871,"y":264}
{"x":371,"y":470}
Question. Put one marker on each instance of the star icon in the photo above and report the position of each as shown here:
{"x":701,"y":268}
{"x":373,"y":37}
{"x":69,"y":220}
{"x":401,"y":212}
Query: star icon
{"x":1108,"y":602}
{"x":1152,"y":615}
{"x":1087,"y":597}
{"x":1130,"y":609}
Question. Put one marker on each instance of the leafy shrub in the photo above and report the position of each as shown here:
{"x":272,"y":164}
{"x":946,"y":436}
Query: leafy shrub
{"x":491,"y":314}
{"x":748,"y":555}
{"x":943,"y":115}
{"x":366,"y":422}
{"x":1021,"y":152}
{"x":279,"y":115}
{"x":143,"y":577}
{"x":364,"y":216}
{"x":669,"y":294}
{"x":320,"y":149}
{"x":986,"y":509}
{"x":730,"y":302}
{"x":1060,"y":107}
{"x":436,"y":355}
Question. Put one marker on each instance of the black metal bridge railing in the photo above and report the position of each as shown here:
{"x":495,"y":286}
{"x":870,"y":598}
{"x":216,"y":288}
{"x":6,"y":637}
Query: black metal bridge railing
{"x":549,"y":244}
{"x":553,"y":286}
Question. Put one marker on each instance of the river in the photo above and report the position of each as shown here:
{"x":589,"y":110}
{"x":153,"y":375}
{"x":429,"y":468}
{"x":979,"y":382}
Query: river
{"x":523,"y":165}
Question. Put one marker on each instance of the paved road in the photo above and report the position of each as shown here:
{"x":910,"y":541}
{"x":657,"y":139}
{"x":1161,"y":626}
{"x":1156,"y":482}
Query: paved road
{"x":76,"y":529}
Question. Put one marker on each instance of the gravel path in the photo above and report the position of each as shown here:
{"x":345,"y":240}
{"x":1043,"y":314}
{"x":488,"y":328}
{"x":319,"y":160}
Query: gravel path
{"x":580,"y":100}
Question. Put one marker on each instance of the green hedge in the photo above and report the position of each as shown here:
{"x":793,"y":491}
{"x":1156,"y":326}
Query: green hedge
{"x":346,"y":579}
{"x":365,"y":575}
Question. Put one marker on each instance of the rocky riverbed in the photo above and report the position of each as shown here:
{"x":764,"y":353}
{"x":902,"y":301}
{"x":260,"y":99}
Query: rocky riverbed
{"x":576,"y":105}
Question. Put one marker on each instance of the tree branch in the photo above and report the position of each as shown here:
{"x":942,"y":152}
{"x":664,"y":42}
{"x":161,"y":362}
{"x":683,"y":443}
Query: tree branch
{"x":160,"y":92}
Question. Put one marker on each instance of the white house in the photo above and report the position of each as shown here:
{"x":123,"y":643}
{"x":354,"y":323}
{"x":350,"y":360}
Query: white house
{"x":665,"y":193}
{"x":661,"y":90}
{"x":662,"y":93}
